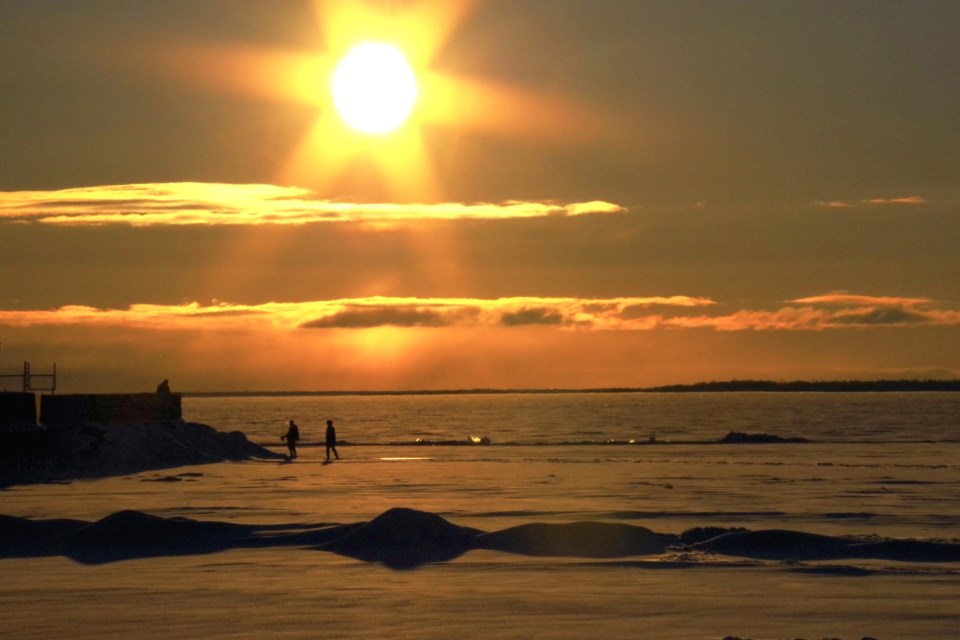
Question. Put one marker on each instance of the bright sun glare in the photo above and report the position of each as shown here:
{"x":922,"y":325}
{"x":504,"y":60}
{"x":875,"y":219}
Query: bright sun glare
{"x":373,"y":100}
{"x":374,"y":88}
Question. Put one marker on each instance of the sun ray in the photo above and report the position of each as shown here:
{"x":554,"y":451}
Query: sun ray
{"x":407,"y":168}
{"x":420,"y":29}
{"x":507,"y":111}
{"x":259,"y":73}
{"x":338,"y":162}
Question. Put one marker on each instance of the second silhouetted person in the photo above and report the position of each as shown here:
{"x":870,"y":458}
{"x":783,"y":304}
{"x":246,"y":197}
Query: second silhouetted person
{"x":331,"y":440}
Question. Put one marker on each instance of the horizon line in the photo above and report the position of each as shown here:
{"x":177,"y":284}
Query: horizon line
{"x":904,"y":384}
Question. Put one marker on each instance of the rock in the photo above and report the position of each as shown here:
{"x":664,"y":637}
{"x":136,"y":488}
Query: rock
{"x":92,"y":450}
{"x":738,"y":437}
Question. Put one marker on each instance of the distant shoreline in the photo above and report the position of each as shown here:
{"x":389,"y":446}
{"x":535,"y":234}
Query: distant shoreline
{"x":835,"y":386}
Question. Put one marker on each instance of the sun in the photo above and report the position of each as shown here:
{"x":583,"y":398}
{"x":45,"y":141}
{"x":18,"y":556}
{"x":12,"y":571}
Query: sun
{"x":382,"y":102}
{"x":374,"y":88}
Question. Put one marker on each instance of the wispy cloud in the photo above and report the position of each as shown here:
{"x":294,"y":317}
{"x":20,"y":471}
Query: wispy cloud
{"x":865,"y":311}
{"x":355,"y":313}
{"x":907,"y":200}
{"x":836,"y":204}
{"x":817,"y":313}
{"x":850,"y":299}
{"x":195,"y":203}
{"x":832,"y":311}
{"x":847,"y":204}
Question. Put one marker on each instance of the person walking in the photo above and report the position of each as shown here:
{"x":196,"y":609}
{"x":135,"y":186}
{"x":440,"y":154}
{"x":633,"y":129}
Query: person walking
{"x":292,"y":436}
{"x":331,"y":440}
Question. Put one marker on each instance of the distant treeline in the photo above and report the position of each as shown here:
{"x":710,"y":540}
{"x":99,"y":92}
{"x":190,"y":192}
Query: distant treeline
{"x":814,"y":385}
{"x":698,"y":387}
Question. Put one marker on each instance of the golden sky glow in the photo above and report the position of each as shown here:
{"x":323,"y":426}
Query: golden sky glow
{"x":376,"y":132}
{"x":566,"y":193}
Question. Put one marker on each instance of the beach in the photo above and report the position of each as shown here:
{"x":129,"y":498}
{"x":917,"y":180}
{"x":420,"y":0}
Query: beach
{"x":533,"y":535}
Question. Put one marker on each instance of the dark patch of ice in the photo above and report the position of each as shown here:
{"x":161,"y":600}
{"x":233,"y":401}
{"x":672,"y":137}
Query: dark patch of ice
{"x":406,"y":538}
{"x":738,"y":437}
{"x":577,"y":539}
{"x":776,"y":544}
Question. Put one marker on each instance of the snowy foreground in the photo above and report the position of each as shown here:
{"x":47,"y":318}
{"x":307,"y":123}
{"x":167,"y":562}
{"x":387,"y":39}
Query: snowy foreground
{"x":476,"y":542}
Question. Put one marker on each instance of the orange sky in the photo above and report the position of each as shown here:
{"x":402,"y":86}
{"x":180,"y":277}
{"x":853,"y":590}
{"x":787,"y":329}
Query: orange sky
{"x":585,"y":195}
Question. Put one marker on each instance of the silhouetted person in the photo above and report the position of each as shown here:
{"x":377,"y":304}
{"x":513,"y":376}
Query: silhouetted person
{"x":164,"y":387}
{"x":292,"y":435}
{"x":331,"y":440}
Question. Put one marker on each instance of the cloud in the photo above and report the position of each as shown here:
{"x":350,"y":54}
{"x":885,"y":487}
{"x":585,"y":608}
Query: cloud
{"x":586,"y":313}
{"x":385,"y":315}
{"x":864,"y":311}
{"x":853,"y":299}
{"x":844,"y":204}
{"x":833,"y":311}
{"x":201,"y":203}
{"x":907,"y":200}
{"x":359,"y":313}
{"x":882,"y":316}
{"x":540,"y":315}
{"x":836,"y":204}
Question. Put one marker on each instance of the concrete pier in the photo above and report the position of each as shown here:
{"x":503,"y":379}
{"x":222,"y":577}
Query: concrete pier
{"x":18,"y":411}
{"x":109,"y":409}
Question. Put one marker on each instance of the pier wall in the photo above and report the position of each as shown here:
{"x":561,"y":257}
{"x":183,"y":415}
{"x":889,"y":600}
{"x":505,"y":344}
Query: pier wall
{"x":109,"y":409}
{"x":18,"y":411}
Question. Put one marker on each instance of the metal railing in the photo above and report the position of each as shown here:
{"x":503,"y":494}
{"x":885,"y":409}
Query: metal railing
{"x":32,"y":381}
